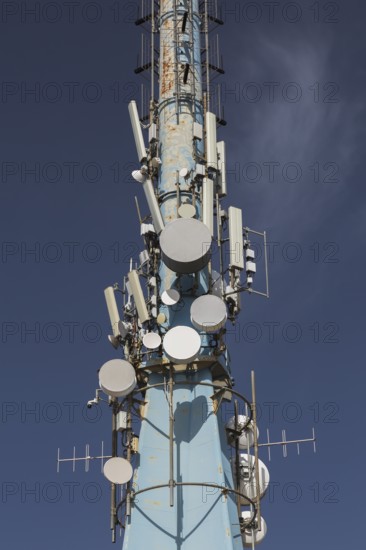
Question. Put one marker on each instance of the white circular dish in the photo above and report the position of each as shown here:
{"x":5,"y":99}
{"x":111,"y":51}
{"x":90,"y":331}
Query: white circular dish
{"x":170,"y":297}
{"x":185,"y":245}
{"x":161,"y":318}
{"x":187,"y":211}
{"x":246,"y":437}
{"x":118,"y":470}
{"x":253,"y":535}
{"x":182,"y":344}
{"x":117,"y":378}
{"x":183,"y":172}
{"x":208,"y":313}
{"x":151,"y":340}
{"x":248,"y":484}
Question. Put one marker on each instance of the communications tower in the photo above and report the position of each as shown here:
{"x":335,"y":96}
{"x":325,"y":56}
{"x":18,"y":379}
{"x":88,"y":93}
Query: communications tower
{"x":187,"y":478}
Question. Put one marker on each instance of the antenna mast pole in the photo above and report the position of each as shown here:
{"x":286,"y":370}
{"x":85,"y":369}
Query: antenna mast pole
{"x":182,"y":442}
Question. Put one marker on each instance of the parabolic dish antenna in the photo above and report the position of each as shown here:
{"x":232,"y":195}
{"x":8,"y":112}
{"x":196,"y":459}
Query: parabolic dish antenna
{"x":253,"y":535}
{"x":170,"y":297}
{"x":246,"y":437}
{"x":161,"y":318}
{"x":151,"y":340}
{"x":183,"y":172}
{"x":186,"y":245}
{"x":187,"y":211}
{"x":182,"y":344}
{"x":117,"y":378}
{"x":118,"y":470}
{"x":248,"y":485}
{"x":139,"y":176}
{"x":208,"y":313}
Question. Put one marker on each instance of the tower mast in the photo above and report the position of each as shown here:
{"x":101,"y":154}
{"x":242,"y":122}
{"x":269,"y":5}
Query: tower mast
{"x":180,"y":490}
{"x":173,"y":485}
{"x":181,"y":442}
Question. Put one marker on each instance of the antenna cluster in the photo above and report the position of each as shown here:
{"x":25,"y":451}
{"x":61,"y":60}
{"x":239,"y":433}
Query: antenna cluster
{"x":169,"y":313}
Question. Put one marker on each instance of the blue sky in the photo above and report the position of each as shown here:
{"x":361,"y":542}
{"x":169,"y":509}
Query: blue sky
{"x":294,"y":103}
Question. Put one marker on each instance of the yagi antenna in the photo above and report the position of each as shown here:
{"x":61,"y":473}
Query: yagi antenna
{"x":284,"y":442}
{"x":86,"y":459}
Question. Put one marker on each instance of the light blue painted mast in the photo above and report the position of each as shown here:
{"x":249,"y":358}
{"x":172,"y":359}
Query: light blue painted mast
{"x":182,"y":516}
{"x":186,"y":516}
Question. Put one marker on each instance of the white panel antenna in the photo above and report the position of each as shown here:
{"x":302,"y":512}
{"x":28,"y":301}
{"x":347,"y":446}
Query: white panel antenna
{"x":153,"y":206}
{"x":221,"y":164}
{"x":112,"y":309}
{"x":138,"y":296}
{"x":211,"y":140}
{"x":137,"y":131}
{"x":207,"y":204}
{"x":236,"y":238}
{"x":153,"y":133}
{"x":197,"y":131}
{"x":252,"y":535}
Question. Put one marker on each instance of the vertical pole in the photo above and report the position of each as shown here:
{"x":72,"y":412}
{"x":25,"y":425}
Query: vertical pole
{"x":171,"y":438}
{"x":113,"y":485}
{"x":256,"y":464}
{"x":184,"y":446}
{"x":129,"y":454}
{"x":207,"y":47}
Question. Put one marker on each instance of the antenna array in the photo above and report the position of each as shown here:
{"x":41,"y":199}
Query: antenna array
{"x":169,"y":313}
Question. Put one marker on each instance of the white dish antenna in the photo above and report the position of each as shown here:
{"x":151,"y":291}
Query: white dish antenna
{"x":118,"y":470}
{"x":117,"y":378}
{"x":187,"y":210}
{"x":248,"y":484}
{"x":186,"y":245}
{"x":139,"y":176}
{"x":151,"y":340}
{"x":170,"y":297}
{"x":184,"y":172}
{"x":208,"y":313}
{"x":247,"y":437}
{"x":251,"y":536}
{"x":182,"y":344}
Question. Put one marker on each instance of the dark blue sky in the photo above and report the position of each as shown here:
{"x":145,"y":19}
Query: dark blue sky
{"x":293,"y":94}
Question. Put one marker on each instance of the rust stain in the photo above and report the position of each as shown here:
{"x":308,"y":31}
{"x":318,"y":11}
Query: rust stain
{"x":167,"y":60}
